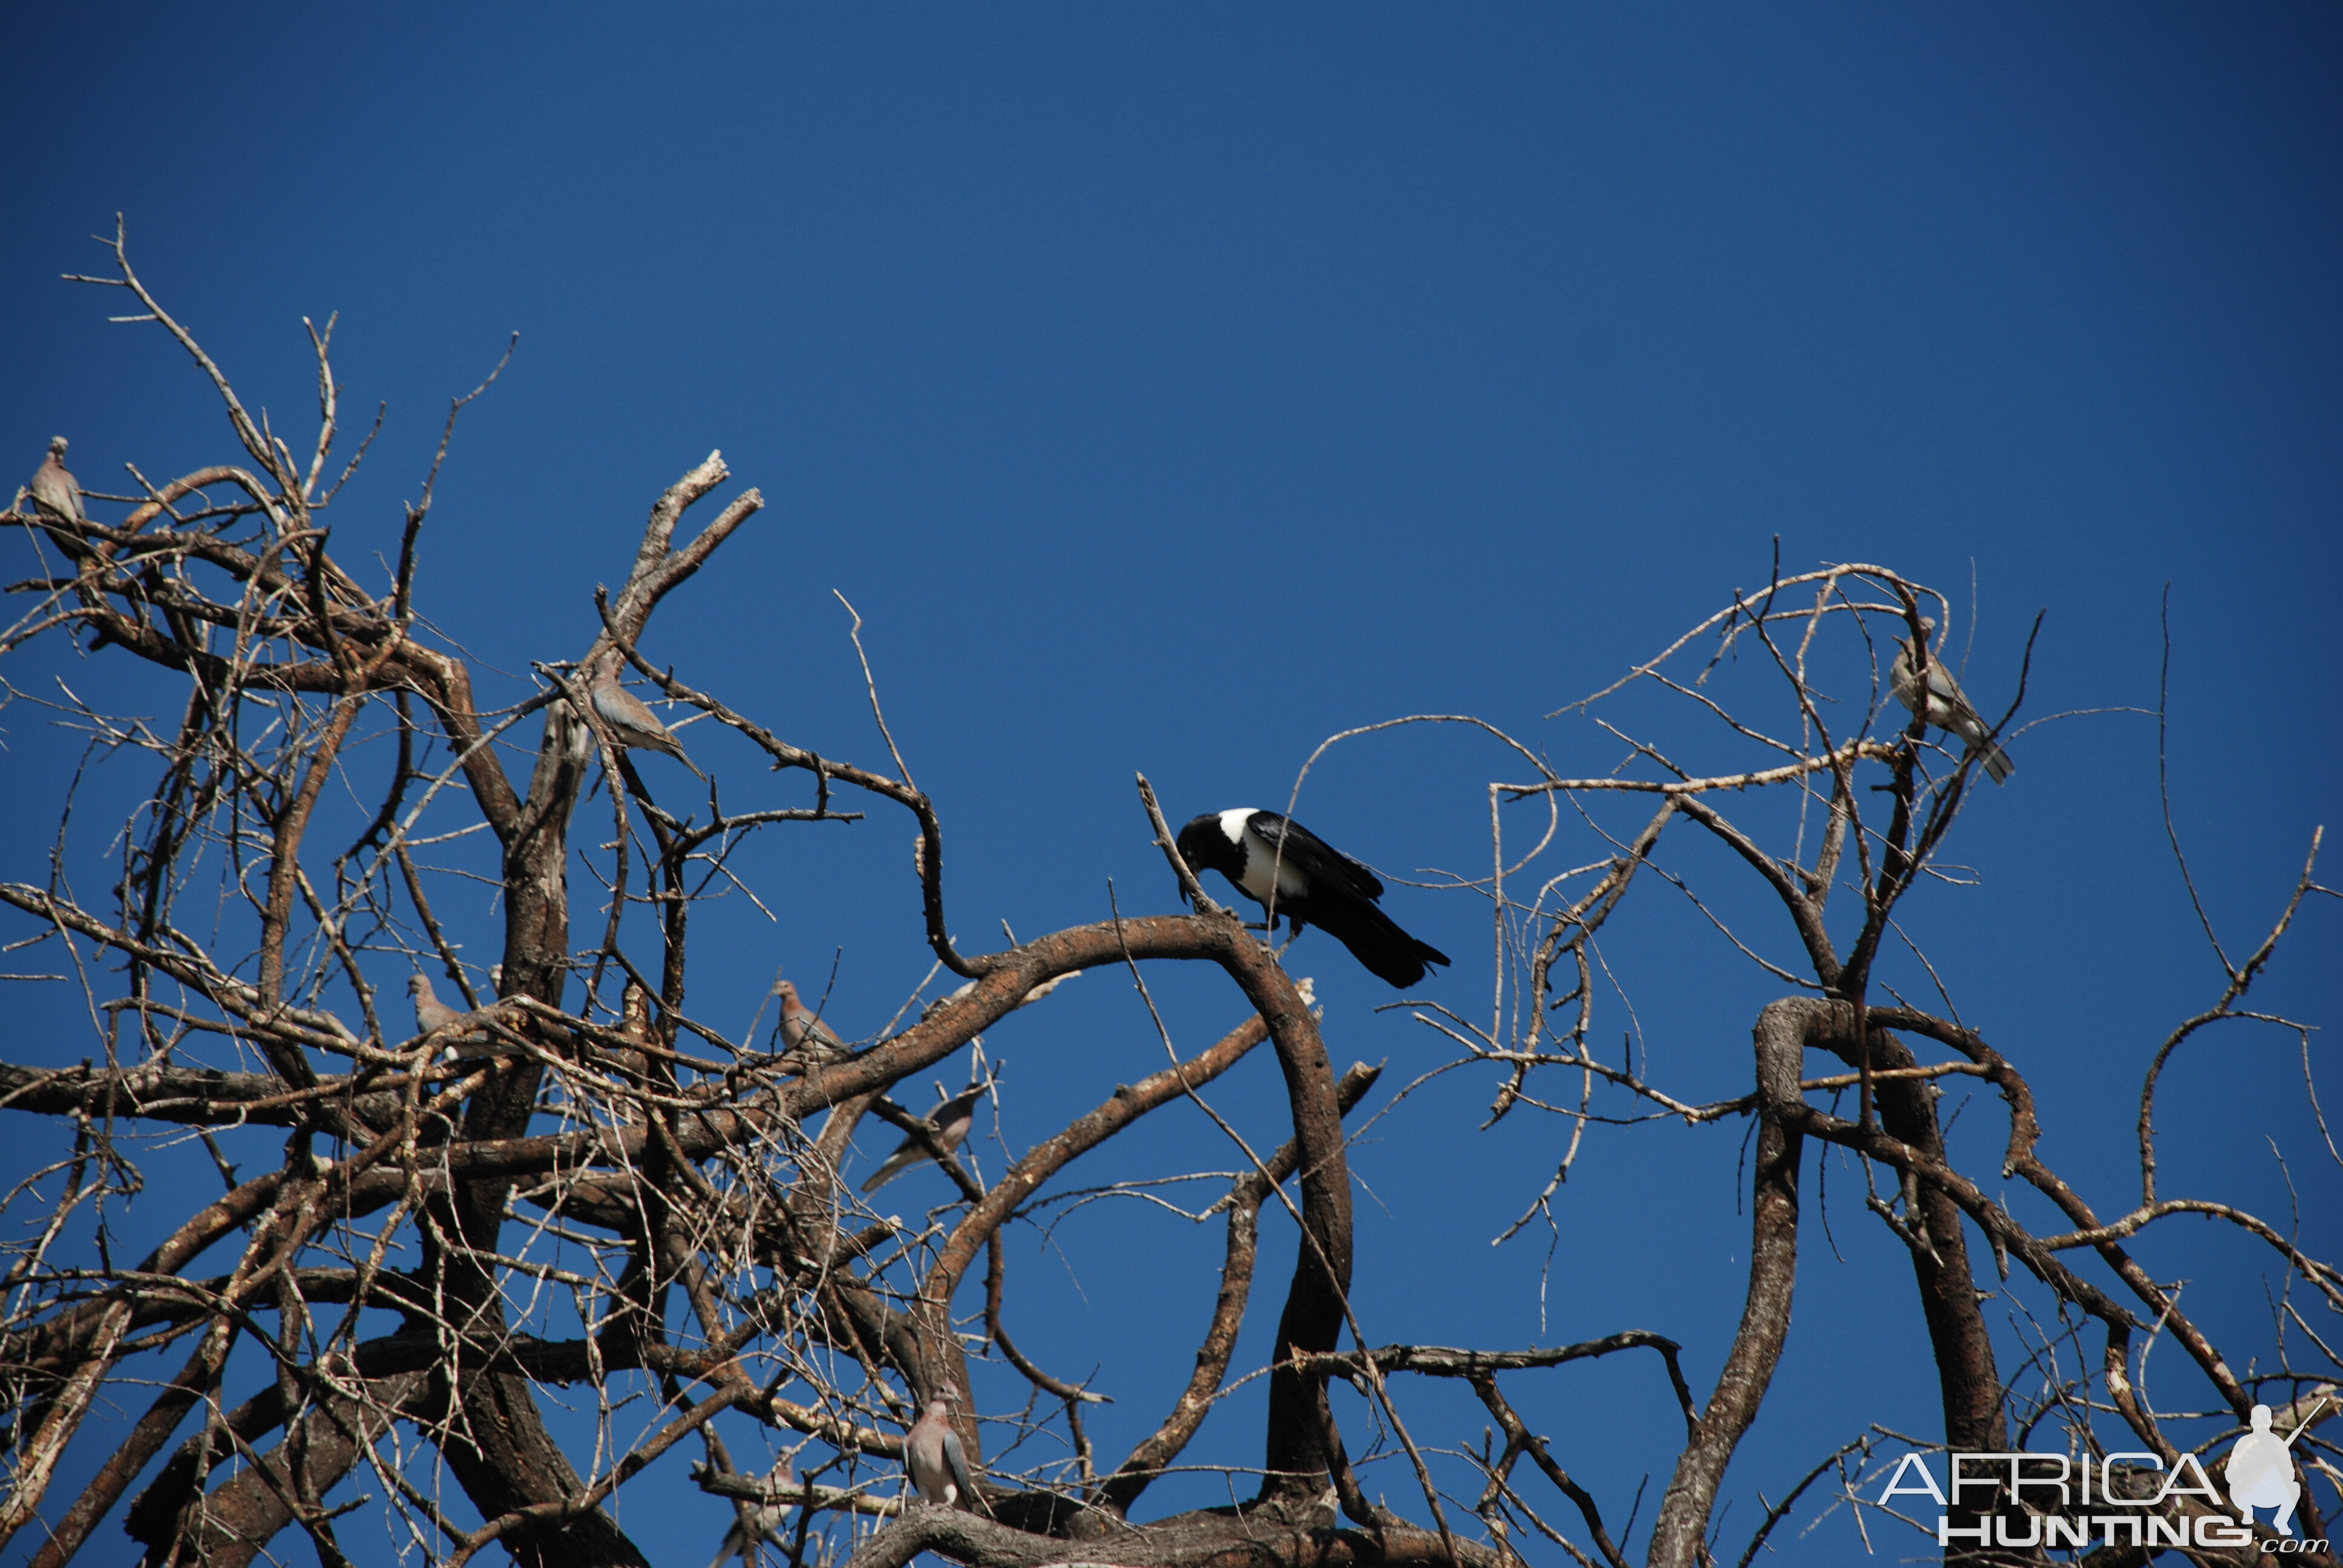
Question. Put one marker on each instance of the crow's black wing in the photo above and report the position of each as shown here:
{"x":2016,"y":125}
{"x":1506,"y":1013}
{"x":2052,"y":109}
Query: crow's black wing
{"x":1326,"y":867}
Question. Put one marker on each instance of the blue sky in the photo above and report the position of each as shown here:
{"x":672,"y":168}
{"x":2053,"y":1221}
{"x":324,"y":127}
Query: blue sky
{"x":1169,"y":388}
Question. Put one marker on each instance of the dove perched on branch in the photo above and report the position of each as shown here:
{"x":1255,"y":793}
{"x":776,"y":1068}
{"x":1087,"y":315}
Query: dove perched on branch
{"x":802,"y":1030}
{"x":951,"y":1120}
{"x":933,"y":1457}
{"x":630,"y":720}
{"x":55,"y":491}
{"x":432,"y":1016}
{"x":1948,"y":706}
{"x":756,"y":1522}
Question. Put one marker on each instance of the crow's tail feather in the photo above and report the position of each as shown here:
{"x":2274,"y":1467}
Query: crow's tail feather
{"x":1374,"y":938}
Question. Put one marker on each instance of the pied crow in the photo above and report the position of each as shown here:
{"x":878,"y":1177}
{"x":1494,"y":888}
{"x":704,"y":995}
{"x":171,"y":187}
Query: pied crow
{"x":1317,"y":885}
{"x":949,"y":1121}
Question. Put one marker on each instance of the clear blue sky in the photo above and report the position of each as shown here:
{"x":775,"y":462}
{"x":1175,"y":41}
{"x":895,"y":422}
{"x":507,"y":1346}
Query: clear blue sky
{"x":1170,"y":388}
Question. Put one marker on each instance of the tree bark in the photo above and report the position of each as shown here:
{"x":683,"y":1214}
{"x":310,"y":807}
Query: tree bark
{"x":1679,"y":1535}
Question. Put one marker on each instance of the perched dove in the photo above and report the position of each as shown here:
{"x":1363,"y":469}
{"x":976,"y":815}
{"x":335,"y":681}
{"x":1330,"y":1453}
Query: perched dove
{"x":951,"y":1120}
{"x":54,"y":490}
{"x":802,"y":1029}
{"x":431,"y":1014}
{"x":1949,"y":708}
{"x":630,"y":719}
{"x":933,"y":1457}
{"x":752,"y":1524}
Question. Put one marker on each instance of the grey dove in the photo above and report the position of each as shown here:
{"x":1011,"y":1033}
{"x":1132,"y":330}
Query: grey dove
{"x":951,"y":1120}
{"x":1949,"y":706}
{"x":55,"y":491}
{"x":753,"y":1525}
{"x":431,"y":1014}
{"x":630,"y":719}
{"x":802,"y":1029}
{"x":933,"y":1457}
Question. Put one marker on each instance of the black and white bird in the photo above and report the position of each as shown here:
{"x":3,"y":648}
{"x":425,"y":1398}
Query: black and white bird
{"x":1316,"y":885}
{"x":1949,"y":706}
{"x":951,"y":1120}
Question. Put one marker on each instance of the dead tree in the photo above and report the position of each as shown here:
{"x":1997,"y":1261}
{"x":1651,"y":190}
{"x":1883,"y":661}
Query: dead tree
{"x":573,"y":1134}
